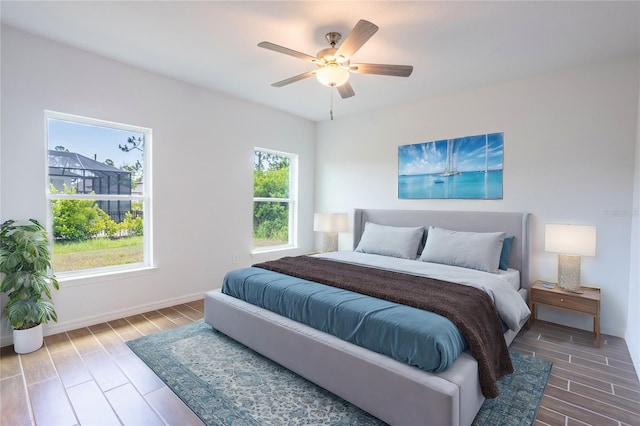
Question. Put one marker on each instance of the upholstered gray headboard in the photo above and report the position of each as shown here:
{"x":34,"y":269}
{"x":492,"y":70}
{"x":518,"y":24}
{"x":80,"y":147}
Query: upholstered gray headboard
{"x":516,"y":224}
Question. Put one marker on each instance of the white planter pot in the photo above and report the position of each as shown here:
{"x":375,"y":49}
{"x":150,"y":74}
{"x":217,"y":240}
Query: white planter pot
{"x":29,"y":340}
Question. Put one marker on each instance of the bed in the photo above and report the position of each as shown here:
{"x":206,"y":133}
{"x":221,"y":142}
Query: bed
{"x":392,"y":390}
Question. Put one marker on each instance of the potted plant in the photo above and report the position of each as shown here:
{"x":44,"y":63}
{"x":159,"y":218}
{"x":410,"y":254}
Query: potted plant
{"x":25,"y":261}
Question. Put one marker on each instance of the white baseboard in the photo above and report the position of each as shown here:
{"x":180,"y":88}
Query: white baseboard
{"x":59,"y":327}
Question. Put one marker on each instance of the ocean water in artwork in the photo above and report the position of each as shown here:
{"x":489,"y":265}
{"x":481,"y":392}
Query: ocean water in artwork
{"x":472,"y":185}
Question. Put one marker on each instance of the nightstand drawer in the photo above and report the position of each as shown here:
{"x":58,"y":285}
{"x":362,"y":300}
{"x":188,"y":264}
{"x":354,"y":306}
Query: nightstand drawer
{"x":574,"y":303}
{"x":587,"y":302}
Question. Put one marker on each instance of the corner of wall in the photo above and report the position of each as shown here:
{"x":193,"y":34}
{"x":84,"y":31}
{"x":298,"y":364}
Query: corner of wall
{"x":632,"y":335}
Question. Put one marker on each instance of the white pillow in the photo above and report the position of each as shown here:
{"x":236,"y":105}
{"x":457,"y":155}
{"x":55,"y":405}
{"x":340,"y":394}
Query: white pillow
{"x":475,"y":250}
{"x":393,"y":241}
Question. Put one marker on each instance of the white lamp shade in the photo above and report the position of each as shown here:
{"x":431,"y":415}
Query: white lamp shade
{"x":332,"y":75}
{"x":330,"y":222}
{"x":570,"y":239}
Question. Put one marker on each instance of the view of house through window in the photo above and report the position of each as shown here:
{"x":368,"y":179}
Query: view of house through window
{"x":96,"y":174}
{"x":274,"y":180}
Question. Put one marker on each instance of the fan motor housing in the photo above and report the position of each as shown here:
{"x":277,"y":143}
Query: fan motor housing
{"x":328,"y":55}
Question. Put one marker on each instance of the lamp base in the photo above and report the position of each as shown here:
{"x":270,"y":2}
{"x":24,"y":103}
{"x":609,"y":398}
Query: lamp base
{"x":330,"y":241}
{"x":569,"y":272}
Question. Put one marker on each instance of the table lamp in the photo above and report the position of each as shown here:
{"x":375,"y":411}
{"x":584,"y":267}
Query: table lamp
{"x":331,"y":224}
{"x":570,"y":242}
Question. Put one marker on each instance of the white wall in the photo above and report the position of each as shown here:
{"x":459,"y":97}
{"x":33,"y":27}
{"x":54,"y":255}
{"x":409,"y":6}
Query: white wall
{"x":632,"y":335}
{"x":569,"y":140}
{"x":202,"y":168}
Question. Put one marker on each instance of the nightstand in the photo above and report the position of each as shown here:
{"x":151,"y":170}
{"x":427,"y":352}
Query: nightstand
{"x":587,"y":302}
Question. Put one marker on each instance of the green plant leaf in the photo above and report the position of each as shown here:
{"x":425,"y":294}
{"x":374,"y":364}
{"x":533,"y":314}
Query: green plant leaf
{"x":25,"y":261}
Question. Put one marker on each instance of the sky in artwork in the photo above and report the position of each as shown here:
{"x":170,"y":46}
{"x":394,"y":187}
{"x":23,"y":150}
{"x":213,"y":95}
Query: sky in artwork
{"x":470,"y":153}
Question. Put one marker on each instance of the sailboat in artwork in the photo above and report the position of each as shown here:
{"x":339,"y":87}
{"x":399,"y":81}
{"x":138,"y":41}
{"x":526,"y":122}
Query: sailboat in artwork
{"x":451,"y":161}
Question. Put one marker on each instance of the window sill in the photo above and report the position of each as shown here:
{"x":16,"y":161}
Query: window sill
{"x":88,"y":278}
{"x":268,"y":252}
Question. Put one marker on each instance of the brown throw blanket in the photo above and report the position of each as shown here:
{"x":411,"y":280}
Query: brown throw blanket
{"x":469,"y":308}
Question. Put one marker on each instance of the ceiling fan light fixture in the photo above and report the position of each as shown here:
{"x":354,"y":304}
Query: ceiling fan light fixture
{"x":334,"y":63}
{"x":332,"y":75}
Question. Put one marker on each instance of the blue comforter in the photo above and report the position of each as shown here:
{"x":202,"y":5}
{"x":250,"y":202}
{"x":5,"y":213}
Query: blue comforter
{"x":407,"y":334}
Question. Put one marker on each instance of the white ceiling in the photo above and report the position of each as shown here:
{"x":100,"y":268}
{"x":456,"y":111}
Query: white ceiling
{"x":453,"y":45}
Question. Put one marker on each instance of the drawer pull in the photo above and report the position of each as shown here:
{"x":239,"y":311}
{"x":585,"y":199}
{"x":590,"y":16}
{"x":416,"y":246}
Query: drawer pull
{"x":562,"y":300}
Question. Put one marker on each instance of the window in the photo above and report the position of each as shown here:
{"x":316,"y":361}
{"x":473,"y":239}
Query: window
{"x":274,"y":195}
{"x":98,"y":190}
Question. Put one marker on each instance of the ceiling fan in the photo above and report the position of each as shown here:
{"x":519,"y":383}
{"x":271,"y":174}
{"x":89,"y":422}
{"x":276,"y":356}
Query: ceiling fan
{"x":334,"y":63}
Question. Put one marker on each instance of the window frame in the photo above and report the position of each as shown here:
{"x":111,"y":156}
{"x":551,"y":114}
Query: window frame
{"x":145,"y":198}
{"x":292,"y":200}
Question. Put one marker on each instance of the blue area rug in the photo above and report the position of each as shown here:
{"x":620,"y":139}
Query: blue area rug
{"x":226,"y":383}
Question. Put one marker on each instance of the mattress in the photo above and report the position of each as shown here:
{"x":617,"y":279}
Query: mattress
{"x":410,"y":335}
{"x":407,"y":334}
{"x":512,"y":276}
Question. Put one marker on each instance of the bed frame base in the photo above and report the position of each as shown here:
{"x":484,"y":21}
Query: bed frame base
{"x":394,"y":392}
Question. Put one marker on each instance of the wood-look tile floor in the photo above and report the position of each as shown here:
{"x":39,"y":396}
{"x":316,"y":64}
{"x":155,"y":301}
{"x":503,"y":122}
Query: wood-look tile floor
{"x":89,"y":376}
{"x":588,"y":385}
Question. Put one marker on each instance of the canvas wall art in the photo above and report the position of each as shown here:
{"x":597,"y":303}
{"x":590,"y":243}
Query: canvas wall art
{"x":469,"y":167}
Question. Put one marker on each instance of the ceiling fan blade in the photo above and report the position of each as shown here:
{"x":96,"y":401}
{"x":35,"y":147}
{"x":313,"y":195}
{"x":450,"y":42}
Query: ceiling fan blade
{"x":345,"y":90}
{"x":294,"y":79}
{"x":382,"y":69}
{"x":287,"y":51}
{"x":356,"y":38}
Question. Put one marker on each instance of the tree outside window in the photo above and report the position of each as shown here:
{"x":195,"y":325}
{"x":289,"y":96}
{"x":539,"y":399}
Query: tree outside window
{"x":273,"y":203}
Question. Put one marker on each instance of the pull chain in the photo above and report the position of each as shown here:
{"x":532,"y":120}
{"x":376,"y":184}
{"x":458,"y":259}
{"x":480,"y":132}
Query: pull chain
{"x":331,"y":109}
